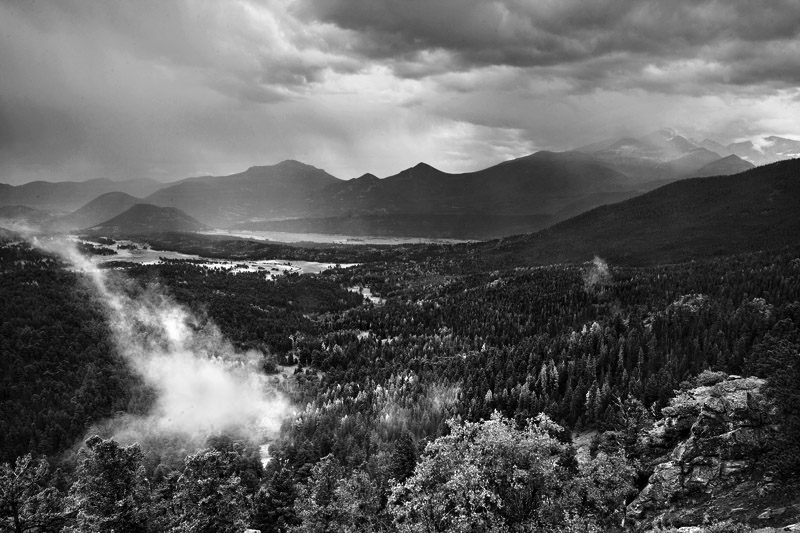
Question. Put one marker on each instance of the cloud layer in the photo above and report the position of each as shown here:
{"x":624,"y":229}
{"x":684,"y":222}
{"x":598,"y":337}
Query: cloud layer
{"x":173,"y":89}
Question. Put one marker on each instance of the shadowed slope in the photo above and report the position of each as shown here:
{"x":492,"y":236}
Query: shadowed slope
{"x":699,"y":217}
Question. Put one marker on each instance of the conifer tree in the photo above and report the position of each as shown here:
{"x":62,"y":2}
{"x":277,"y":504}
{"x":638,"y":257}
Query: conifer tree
{"x":110,"y":492}
{"x":27,"y":503}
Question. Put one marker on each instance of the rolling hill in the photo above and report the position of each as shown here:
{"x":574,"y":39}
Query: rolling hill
{"x":143,"y":219}
{"x":698,"y":217}
{"x":102,"y":208}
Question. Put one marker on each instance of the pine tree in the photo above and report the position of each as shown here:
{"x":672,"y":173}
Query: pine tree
{"x":404,"y":458}
{"x":111,"y":492}
{"x":273,"y":505}
{"x":210,"y":497}
{"x":27,"y":503}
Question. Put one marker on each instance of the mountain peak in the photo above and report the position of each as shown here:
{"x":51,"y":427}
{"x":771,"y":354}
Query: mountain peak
{"x":287,"y":163}
{"x":368,"y":177}
{"x":289,"y":169}
{"x":420,"y":169}
{"x":292,"y":163}
{"x":668,"y":133}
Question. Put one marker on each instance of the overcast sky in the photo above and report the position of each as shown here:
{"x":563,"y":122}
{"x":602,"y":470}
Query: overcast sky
{"x":172,"y":89}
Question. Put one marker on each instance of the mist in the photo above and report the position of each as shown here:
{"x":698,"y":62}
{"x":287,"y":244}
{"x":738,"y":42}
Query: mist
{"x":203,"y":385}
{"x":597,"y":275}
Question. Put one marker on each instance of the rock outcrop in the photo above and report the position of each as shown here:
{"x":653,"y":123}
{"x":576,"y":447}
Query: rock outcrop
{"x":708,"y":440}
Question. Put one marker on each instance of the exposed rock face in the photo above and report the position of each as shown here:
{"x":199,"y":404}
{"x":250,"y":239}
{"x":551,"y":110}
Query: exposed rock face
{"x":710,"y":437}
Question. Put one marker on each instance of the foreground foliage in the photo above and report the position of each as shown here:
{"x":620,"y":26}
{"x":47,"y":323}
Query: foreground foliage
{"x":486,"y":476}
{"x":491,"y":477}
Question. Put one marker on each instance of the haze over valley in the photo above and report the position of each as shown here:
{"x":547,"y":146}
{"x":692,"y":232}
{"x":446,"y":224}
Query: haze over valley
{"x":516,"y":196}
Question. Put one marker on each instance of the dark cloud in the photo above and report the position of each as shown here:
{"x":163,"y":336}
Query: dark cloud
{"x":580,"y":39}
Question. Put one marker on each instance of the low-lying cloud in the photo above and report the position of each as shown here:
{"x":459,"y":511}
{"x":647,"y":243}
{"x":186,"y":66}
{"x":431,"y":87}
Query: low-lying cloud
{"x":597,"y":276}
{"x":203,"y":385}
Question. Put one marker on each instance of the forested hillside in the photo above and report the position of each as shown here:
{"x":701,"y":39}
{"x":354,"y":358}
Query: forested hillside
{"x":690,"y":219}
{"x":59,"y":370}
{"x":382,"y":391}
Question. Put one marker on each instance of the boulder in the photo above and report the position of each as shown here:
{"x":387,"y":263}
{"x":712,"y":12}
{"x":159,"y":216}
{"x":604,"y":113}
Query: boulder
{"x":708,"y":438}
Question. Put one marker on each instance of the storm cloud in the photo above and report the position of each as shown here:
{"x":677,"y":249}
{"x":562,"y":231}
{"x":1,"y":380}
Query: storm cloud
{"x":168,"y":90}
{"x":620,"y":37}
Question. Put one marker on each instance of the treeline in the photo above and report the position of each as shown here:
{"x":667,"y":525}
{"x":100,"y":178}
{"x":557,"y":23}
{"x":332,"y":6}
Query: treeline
{"x":224,"y":247}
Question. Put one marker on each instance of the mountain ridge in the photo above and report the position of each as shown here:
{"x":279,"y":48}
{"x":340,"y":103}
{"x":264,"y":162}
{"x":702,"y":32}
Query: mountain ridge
{"x":543,"y":188}
{"x":695,"y":217}
{"x":275,"y":190}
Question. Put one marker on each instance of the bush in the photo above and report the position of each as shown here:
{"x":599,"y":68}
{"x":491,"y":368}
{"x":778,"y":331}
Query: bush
{"x":706,"y":378}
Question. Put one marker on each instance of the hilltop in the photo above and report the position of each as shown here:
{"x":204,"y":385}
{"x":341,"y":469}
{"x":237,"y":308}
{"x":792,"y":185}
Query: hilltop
{"x":142,"y":219}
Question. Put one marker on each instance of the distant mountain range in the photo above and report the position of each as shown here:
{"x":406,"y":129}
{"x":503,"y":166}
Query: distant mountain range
{"x":524,"y":194}
{"x":667,"y":144}
{"x":688,"y":219}
{"x":766,"y":150}
{"x":518,"y":196}
{"x":665,"y":155}
{"x":67,"y":196}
